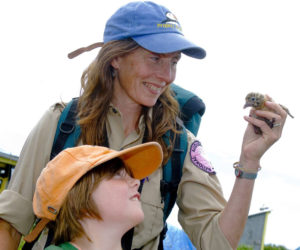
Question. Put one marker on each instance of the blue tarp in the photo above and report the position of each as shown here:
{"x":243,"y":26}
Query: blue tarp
{"x":177,"y":239}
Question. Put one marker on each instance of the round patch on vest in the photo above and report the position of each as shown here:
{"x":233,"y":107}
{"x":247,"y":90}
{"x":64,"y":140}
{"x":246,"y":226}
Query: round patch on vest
{"x":197,"y":158}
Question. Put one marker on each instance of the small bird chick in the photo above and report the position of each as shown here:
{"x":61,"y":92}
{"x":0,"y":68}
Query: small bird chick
{"x":257,"y":101}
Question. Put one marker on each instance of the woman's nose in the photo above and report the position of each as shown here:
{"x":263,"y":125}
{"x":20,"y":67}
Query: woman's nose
{"x":166,"y":72}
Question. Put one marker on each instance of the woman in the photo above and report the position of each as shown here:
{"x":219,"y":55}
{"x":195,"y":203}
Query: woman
{"x":125,"y":100}
{"x":93,"y":199}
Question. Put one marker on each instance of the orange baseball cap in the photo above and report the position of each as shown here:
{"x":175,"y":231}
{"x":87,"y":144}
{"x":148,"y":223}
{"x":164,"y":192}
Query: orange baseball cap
{"x":61,"y":174}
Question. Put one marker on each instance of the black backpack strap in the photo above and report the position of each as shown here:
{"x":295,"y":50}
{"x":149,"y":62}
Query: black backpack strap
{"x":126,"y":240}
{"x":162,"y":236}
{"x":28,"y":246}
{"x":172,"y":173}
{"x":171,"y":177}
{"x":66,"y":126}
{"x":177,"y":163}
{"x":50,"y":237}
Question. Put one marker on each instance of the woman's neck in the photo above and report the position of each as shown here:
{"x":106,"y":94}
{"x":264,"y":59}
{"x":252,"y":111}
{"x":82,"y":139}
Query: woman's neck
{"x":130,"y":111}
{"x":130,"y":119}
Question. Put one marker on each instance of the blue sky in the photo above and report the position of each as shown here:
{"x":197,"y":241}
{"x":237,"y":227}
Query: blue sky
{"x":251,"y":46}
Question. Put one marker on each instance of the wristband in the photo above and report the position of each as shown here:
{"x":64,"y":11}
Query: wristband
{"x":240,"y":172}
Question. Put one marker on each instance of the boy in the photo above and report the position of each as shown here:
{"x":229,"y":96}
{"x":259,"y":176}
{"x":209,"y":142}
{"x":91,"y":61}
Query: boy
{"x":88,"y":195}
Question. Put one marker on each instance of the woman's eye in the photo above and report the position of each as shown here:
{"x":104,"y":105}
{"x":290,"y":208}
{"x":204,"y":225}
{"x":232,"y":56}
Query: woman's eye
{"x":175,"y":63}
{"x":155,"y":58}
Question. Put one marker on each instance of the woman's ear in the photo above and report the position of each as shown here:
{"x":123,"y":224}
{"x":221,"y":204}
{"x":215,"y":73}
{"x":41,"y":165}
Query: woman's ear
{"x":115,"y":63}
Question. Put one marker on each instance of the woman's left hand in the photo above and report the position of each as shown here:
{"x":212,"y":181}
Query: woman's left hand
{"x":255,"y":145}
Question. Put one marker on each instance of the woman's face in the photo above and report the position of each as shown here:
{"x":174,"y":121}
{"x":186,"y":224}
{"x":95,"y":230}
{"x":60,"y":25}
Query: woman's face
{"x":142,"y":76}
{"x":118,"y":200}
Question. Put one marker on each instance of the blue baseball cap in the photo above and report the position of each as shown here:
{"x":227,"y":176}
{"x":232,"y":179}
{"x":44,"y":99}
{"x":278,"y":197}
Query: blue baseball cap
{"x":150,"y":25}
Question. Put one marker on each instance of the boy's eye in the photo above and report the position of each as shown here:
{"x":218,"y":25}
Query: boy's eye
{"x":121,"y":173}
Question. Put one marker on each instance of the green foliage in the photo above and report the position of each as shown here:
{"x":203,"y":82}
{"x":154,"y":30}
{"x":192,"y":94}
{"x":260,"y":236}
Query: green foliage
{"x":244,"y":247}
{"x":266,"y":247}
{"x":274,"y":247}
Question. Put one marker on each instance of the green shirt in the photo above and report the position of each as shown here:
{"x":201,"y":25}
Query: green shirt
{"x":65,"y":246}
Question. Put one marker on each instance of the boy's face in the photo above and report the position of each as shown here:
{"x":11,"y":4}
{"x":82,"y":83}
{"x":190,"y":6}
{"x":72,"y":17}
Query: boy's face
{"x":118,"y":200}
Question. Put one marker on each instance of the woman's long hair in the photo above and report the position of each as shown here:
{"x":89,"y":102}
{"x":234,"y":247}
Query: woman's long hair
{"x":97,"y":93}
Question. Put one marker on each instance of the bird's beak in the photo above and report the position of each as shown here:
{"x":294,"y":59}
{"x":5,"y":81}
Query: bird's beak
{"x":247,"y":104}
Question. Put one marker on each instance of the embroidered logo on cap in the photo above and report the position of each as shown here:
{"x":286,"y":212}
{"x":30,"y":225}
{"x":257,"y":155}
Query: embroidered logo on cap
{"x":171,"y":18}
{"x":198,"y":159}
{"x":170,"y":22}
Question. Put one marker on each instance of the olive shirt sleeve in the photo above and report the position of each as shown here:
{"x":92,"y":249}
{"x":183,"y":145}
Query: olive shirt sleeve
{"x":200,"y":201}
{"x":16,"y":200}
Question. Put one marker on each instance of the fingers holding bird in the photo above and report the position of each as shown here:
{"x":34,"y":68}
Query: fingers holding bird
{"x":255,"y":143}
{"x":258,"y":140}
{"x":275,"y":112}
{"x":267,"y":118}
{"x":266,"y":110}
{"x":268,"y":122}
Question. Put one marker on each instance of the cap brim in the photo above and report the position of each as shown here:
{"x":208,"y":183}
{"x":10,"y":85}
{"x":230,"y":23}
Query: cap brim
{"x":168,"y":43}
{"x":142,"y":159}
